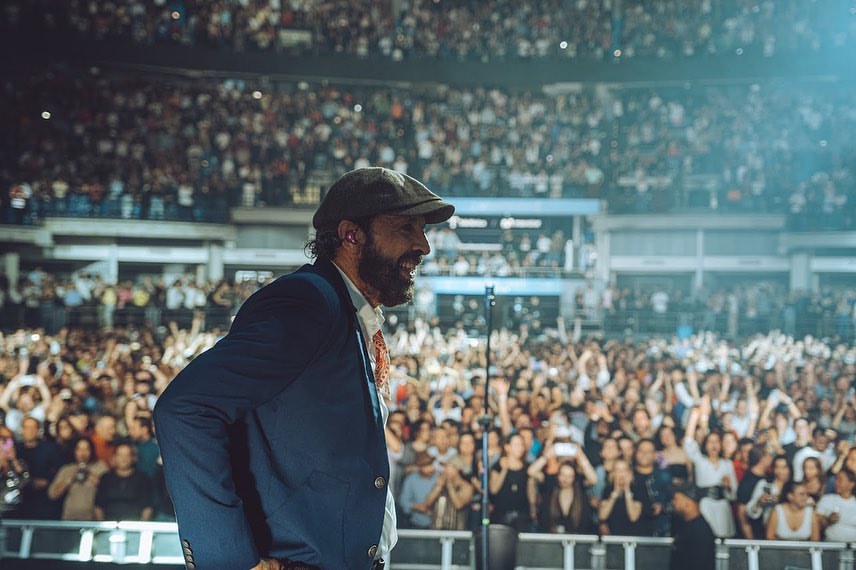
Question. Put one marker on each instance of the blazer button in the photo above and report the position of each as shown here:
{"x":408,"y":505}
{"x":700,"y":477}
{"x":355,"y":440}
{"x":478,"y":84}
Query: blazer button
{"x":372,"y":551}
{"x":379,"y":483}
{"x":185,"y":543}
{"x":190,"y":566}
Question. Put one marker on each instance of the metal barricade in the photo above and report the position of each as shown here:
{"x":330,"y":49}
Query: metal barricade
{"x":417,"y":550}
{"x":77,"y":541}
{"x":784,"y":554}
{"x":641,"y":551}
{"x":565,"y":551}
{"x":157,"y":544}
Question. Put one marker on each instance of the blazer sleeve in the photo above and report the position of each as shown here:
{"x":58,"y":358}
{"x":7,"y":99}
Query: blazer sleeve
{"x":271,"y":342}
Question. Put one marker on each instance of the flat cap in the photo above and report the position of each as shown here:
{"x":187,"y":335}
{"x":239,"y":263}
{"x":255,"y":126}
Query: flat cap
{"x":688,"y":489}
{"x":367,"y":192}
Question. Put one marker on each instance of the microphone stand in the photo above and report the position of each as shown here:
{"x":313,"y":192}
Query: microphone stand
{"x":485,"y":422}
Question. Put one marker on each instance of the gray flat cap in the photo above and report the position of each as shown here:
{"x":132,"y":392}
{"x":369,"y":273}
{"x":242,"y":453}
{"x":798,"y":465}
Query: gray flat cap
{"x":367,"y":192}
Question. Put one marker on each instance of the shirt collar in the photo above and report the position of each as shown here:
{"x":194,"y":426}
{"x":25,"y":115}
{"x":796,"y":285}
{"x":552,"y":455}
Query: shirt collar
{"x":371,"y":318}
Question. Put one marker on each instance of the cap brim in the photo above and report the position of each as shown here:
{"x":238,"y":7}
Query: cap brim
{"x":435,"y":211}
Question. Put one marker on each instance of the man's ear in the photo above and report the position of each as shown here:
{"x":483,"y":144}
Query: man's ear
{"x":349,"y":233}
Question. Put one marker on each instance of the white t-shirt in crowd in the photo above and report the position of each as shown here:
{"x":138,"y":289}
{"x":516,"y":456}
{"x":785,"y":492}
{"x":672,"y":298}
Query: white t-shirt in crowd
{"x":845,"y":529}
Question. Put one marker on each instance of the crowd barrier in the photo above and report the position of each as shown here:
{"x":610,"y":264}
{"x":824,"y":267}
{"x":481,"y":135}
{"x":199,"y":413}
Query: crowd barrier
{"x":157,"y":544}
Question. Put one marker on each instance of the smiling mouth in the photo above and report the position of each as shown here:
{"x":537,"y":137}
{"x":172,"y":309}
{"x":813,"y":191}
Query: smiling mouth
{"x":408,"y":267}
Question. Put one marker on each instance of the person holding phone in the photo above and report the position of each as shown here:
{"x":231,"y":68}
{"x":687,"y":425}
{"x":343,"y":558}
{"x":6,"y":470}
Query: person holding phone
{"x":766,"y":495}
{"x":77,"y":482}
{"x":26,"y":395}
{"x":563,"y":504}
{"x":567,"y":507}
{"x":14,"y":475}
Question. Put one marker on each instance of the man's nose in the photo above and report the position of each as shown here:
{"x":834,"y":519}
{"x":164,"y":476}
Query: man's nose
{"x":422,"y":244}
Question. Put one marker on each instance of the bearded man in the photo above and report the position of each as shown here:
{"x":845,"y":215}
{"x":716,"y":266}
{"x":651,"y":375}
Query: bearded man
{"x":273,"y":440}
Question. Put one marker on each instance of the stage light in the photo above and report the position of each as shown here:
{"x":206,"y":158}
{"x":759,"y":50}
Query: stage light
{"x":176,"y":15}
{"x":358,"y":108}
{"x":46,"y":115}
{"x":563,"y":45}
{"x":616,"y":53}
{"x":257,"y":94}
{"x":739,"y":51}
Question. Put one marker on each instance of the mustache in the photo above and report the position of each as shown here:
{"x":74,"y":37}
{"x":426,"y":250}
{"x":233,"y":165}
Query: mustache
{"x":415,"y":258}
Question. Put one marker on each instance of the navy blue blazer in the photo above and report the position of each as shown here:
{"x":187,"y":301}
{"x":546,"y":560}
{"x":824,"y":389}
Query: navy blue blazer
{"x":272,"y":440}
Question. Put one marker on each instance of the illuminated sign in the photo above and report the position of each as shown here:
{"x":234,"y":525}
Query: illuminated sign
{"x":506,"y":223}
{"x":456,"y":222}
{"x":520,"y":223}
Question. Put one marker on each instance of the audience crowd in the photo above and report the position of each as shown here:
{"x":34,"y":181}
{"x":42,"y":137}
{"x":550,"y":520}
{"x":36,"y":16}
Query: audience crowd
{"x":741,"y":310}
{"x":503,"y":30}
{"x":86,"y":301}
{"x":587,"y":436}
{"x":90,"y":144}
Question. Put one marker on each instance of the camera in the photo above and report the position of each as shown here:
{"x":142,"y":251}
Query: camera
{"x":28,"y":380}
{"x":10,"y":490}
{"x":561,"y":431}
{"x":82,"y":473}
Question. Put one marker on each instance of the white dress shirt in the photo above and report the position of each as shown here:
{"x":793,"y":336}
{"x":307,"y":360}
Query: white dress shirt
{"x":371,"y":319}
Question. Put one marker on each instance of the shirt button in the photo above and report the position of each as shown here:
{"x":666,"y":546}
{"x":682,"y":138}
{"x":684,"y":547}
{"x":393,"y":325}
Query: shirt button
{"x":372,"y":551}
{"x":379,"y":483}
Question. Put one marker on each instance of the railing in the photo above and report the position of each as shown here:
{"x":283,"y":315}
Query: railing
{"x":157,"y":544}
{"x":785,"y":554}
{"x":115,"y":542}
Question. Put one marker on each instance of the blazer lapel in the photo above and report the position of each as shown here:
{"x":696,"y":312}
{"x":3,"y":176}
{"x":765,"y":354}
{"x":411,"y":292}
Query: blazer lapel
{"x":328,"y":271}
{"x":369,"y":378}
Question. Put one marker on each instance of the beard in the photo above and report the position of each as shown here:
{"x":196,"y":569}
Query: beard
{"x":385,"y":275}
